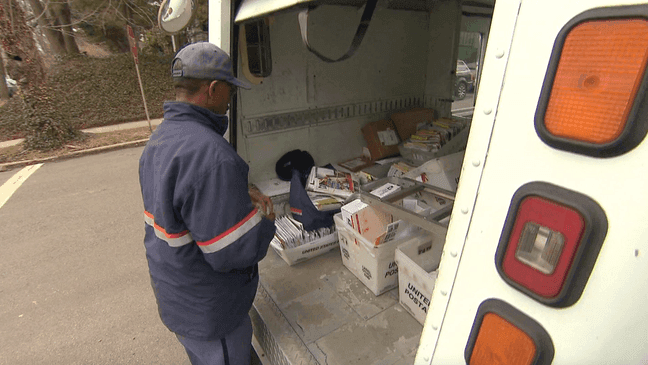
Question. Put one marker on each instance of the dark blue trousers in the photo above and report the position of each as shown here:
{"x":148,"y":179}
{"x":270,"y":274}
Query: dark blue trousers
{"x":233,"y":349}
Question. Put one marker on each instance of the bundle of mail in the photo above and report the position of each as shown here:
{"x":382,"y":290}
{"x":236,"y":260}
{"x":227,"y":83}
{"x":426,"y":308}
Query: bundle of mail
{"x":325,"y":202}
{"x":290,"y":233}
{"x":331,"y":182}
{"x":432,"y":137}
{"x":328,"y":188}
{"x":378,"y":226}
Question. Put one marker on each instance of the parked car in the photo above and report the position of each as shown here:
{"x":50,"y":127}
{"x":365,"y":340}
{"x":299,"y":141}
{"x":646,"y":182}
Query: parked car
{"x":12,"y":85}
{"x":464,"y":80}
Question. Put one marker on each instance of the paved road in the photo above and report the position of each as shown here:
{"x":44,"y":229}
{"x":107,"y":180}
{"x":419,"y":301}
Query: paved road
{"x":464,"y":108}
{"x":74,"y":285}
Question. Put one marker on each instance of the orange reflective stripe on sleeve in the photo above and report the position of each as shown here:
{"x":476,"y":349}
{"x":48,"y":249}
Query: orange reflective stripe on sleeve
{"x":231,"y":235}
{"x":173,"y":239}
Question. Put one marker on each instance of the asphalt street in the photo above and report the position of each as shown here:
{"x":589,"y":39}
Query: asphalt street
{"x":74,"y":283}
{"x":465,"y":107}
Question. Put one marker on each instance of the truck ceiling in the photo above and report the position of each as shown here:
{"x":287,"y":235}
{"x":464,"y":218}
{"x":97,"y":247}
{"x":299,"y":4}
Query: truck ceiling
{"x":254,"y":9}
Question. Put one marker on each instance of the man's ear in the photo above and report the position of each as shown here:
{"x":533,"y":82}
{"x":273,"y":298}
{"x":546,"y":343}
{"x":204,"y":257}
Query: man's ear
{"x":212,"y":87}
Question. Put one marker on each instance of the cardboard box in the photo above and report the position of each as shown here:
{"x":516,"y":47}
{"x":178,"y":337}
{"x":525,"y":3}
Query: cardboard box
{"x":374,"y":266}
{"x":373,"y":224}
{"x":418,"y":263}
{"x":349,"y":209}
{"x":385,"y":190}
{"x":382,"y":139}
{"x":306,"y":251}
{"x":345,"y":240}
{"x":418,"y":157}
{"x":357,"y":164}
{"x":406,"y":122}
{"x":399,"y":169}
{"x":441,"y":172}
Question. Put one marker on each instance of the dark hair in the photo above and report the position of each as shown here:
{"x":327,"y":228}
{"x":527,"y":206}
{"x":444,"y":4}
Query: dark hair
{"x":188,"y":86}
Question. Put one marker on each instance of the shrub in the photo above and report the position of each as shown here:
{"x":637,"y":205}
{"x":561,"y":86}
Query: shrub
{"x":84,"y":92}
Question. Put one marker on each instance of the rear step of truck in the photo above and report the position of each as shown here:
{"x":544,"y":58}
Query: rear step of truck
{"x":318,"y":312}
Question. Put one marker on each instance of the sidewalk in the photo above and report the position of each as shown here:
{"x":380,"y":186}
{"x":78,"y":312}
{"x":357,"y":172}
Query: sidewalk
{"x":108,"y":128}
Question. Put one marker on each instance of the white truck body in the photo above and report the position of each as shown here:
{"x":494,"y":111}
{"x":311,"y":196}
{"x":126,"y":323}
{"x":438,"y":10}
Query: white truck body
{"x":608,"y":325}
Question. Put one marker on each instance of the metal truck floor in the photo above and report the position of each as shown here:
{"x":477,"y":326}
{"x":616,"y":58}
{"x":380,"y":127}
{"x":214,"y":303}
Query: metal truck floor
{"x":318,"y":312}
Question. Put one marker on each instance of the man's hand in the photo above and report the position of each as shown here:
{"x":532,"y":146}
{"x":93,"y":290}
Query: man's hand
{"x":262,"y":202}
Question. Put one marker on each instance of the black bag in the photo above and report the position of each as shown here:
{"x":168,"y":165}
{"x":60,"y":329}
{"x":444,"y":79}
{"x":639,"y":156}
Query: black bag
{"x":303,"y":209}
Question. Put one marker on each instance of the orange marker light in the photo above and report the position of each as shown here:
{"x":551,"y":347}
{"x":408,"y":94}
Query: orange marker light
{"x":600,"y":71}
{"x":502,"y":335}
{"x":500,"y":342}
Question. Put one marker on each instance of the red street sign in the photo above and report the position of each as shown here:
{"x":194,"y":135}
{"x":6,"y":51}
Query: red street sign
{"x":133,"y":43}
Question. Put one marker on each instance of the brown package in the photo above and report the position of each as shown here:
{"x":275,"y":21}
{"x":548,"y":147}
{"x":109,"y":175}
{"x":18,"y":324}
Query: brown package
{"x":382,"y":139}
{"x":406,"y":122}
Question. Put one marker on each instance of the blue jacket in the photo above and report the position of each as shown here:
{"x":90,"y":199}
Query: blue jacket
{"x":204,"y":237}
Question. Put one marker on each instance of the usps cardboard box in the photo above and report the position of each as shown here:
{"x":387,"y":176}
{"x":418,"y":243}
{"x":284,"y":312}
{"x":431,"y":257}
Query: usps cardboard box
{"x":306,"y":251}
{"x":441,"y":172}
{"x":374,"y":266}
{"x":418,"y":264}
{"x":372,"y":223}
{"x":345,"y":240}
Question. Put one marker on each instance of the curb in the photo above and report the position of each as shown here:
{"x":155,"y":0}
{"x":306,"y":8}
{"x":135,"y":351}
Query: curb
{"x":12,"y":165}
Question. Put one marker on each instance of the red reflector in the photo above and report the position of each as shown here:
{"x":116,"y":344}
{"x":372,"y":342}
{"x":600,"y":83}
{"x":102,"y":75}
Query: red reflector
{"x":556,"y":218}
{"x":550,"y":242}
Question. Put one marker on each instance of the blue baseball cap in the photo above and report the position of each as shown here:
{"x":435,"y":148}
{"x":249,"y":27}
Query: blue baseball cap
{"x":205,"y":61}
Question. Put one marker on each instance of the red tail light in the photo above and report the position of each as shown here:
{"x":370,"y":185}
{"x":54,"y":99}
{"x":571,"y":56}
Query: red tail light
{"x":550,"y":242}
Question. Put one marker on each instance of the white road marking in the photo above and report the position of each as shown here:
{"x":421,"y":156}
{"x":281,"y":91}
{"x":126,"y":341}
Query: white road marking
{"x":7,"y":189}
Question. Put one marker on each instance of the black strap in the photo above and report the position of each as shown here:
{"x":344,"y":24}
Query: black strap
{"x":225,"y":354}
{"x":357,"y":38}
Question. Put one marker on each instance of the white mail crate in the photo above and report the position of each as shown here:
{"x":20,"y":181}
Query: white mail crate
{"x":418,"y":262}
{"x":306,"y":251}
{"x":374,"y":266}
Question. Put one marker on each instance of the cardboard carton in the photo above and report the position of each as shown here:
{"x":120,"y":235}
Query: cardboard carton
{"x":418,"y":264}
{"x":382,"y":139}
{"x":373,"y":224}
{"x":441,"y":172}
{"x":385,"y":190}
{"x":406,"y":122}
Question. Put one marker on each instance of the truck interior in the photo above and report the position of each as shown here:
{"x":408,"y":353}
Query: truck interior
{"x":406,"y":59}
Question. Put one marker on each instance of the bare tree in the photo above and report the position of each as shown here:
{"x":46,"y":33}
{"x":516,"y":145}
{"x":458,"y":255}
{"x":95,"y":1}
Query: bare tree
{"x":106,"y":20}
{"x":17,"y":39}
{"x":64,"y":19}
{"x":4,"y":91}
{"x":54,"y":37}
{"x":45,"y":130}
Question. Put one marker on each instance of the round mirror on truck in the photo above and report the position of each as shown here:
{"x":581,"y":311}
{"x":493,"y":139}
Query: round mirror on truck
{"x":175,"y":15}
